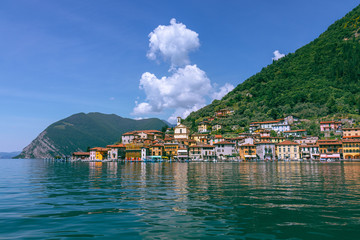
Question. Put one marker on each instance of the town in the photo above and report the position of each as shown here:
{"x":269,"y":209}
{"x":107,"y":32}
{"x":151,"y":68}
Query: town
{"x":264,"y":141}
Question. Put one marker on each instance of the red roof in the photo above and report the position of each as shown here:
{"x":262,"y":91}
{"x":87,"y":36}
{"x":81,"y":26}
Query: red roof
{"x":218,"y":136}
{"x":81,"y":154}
{"x":299,"y":130}
{"x":116,"y":146}
{"x":247,"y":145}
{"x":99,"y":149}
{"x":201,"y":146}
{"x":286,"y":143}
{"x":327,"y":122}
{"x":224,"y":143}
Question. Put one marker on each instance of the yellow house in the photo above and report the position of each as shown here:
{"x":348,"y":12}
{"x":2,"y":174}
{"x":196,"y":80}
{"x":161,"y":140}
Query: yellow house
{"x":98,"y":153}
{"x":351,"y":148}
{"x":157,"y":149}
{"x":171,"y":149}
{"x":287,"y":150}
{"x":247,"y":152}
{"x":204,"y":127}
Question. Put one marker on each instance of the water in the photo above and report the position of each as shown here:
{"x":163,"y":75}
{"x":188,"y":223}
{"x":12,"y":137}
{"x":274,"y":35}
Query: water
{"x":60,"y":200}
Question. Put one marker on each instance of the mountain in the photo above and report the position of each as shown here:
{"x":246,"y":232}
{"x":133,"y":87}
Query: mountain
{"x":81,"y":131}
{"x":7,"y":155}
{"x":321,"y":79}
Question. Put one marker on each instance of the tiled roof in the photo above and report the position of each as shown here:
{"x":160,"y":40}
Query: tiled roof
{"x":224,"y":143}
{"x":116,"y":146}
{"x":99,"y":149}
{"x":286,"y":143}
{"x":81,"y":153}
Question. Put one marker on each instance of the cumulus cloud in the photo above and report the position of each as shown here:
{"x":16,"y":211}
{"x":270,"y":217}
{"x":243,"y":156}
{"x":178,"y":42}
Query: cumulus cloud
{"x":277,"y":55}
{"x":173,"y":43}
{"x":186,"y":88}
{"x":223,"y":91}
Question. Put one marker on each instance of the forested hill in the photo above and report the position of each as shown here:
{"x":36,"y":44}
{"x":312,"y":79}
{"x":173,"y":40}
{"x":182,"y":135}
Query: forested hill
{"x":319,"y":79}
{"x":81,"y":131}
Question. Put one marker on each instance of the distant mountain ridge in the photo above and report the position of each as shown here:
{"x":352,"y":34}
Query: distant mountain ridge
{"x":321,"y":79}
{"x":7,"y":155}
{"x":81,"y":131}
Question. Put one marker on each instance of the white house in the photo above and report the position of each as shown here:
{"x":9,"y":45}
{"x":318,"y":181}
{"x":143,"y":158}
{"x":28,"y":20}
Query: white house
{"x":224,"y":149}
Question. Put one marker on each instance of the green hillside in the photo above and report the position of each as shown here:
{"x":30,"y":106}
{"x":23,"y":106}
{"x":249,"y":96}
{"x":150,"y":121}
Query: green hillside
{"x":319,"y":79}
{"x":80,"y":131}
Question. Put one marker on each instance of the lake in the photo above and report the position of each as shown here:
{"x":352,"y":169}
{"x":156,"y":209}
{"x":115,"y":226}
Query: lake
{"x":42,"y":199}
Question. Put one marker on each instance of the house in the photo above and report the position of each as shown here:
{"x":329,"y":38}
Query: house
{"x":277,"y":125}
{"x":223,"y":113}
{"x":351,"y":148}
{"x":351,"y":132}
{"x":202,"y":151}
{"x":287,"y":150}
{"x":309,"y":151}
{"x":216,"y":127}
{"x":291,"y":119}
{"x":80,"y":155}
{"x":266,"y":150}
{"x":171,"y":149}
{"x":182,"y":153}
{"x":204,"y":126}
{"x":247,"y":152}
{"x":295,"y":133}
{"x":330,"y":126}
{"x":116,"y":151}
{"x":224,"y":149}
{"x":141,"y":134}
{"x":157,"y":149}
{"x":134,"y":151}
{"x":181,"y":131}
{"x":200,"y":138}
{"x":330,"y":149}
{"x":307,"y":140}
{"x":216,"y":139}
{"x":98,"y":153}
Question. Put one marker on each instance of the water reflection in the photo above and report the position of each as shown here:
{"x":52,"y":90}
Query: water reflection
{"x":181,"y":200}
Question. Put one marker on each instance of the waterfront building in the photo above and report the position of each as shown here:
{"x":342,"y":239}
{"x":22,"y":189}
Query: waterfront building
{"x":265,"y":150}
{"x":116,"y":151}
{"x":287,"y":150}
{"x":182,"y":153}
{"x":351,"y":132}
{"x":247,"y":152}
{"x":309,"y":151}
{"x":202,"y":151}
{"x":181,"y":131}
{"x":157,"y":149}
{"x":224,"y":149}
{"x":171,"y":149}
{"x":133,"y":150}
{"x":295,"y":133}
{"x":98,"y":153}
{"x":80,"y":155}
{"x":330,"y":149}
{"x":351,"y":148}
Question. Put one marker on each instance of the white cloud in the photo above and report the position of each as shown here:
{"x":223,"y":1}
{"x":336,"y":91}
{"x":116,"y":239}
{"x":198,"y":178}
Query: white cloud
{"x":223,"y":91}
{"x":173,"y":43}
{"x":277,"y":55}
{"x":186,"y":88}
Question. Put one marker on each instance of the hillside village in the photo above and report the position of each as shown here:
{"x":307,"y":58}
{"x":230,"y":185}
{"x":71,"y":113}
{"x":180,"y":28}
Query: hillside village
{"x":275,"y":140}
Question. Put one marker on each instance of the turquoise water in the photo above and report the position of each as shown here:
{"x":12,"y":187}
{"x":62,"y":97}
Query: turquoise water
{"x":60,"y":200}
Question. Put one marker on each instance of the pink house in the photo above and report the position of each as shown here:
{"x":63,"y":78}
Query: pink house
{"x":330,"y":126}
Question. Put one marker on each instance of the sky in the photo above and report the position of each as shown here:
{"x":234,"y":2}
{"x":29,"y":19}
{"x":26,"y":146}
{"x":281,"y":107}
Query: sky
{"x":139,"y":59}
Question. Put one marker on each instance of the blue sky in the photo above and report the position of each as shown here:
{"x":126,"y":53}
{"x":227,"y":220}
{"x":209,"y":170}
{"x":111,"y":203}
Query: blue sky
{"x":58,"y":58}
